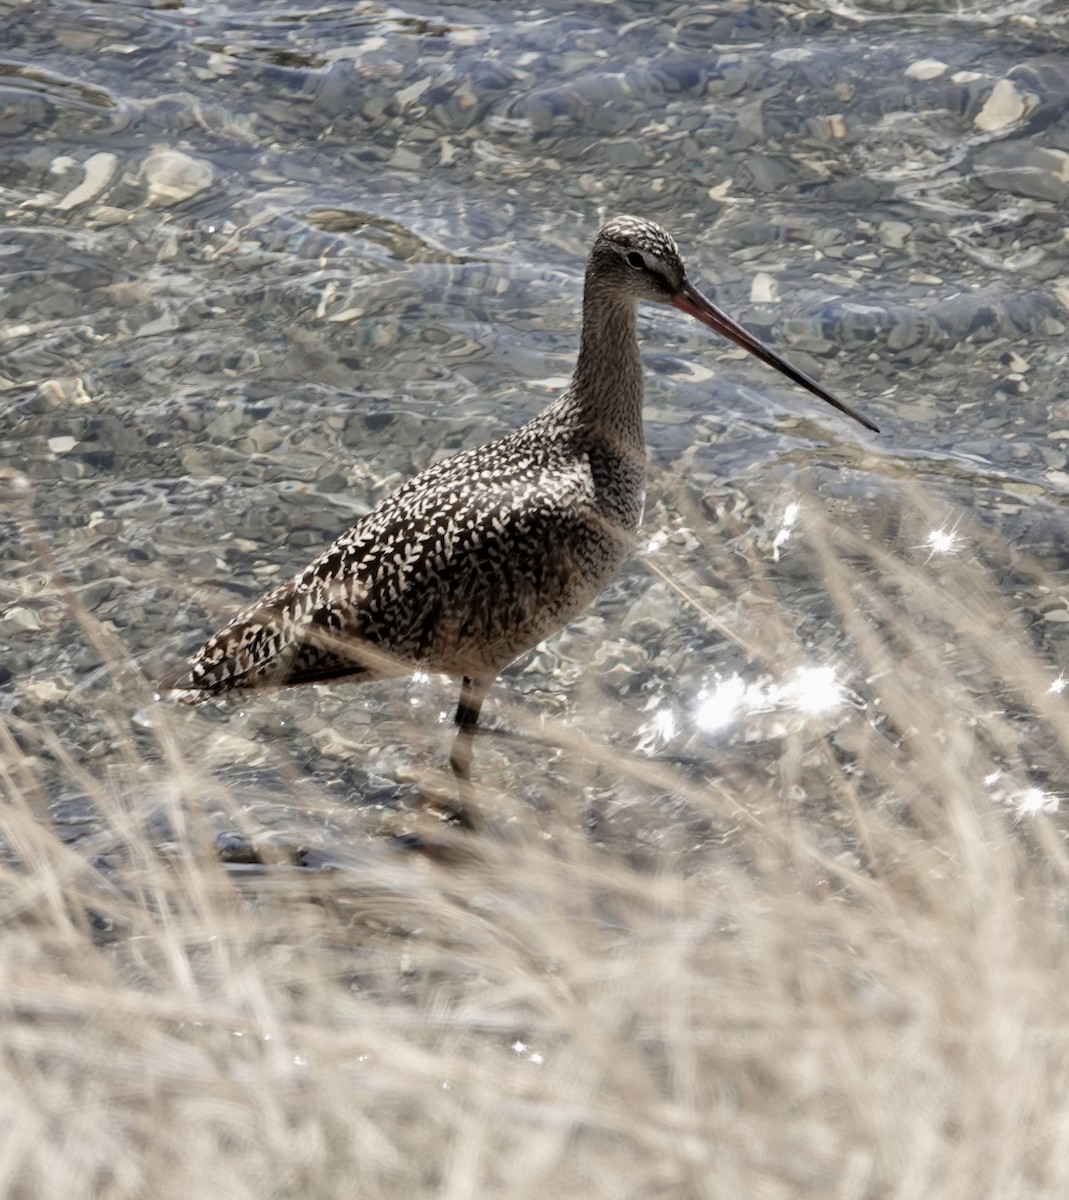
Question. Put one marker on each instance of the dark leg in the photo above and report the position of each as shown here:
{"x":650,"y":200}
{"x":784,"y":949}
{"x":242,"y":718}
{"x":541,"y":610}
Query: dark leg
{"x":472,"y":694}
{"x":463,"y":812}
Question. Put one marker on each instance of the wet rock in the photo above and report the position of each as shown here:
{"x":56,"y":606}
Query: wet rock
{"x":170,"y":176}
{"x":1006,"y":105}
{"x":23,"y":112}
{"x":764,"y":173}
{"x":1046,"y":81}
{"x":1024,"y":170}
{"x":20,"y":620}
{"x":925,"y":69}
{"x":764,"y":289}
{"x":98,"y":171}
{"x":894,"y":233}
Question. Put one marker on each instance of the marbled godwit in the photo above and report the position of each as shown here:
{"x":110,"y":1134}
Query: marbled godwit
{"x":486,"y":553}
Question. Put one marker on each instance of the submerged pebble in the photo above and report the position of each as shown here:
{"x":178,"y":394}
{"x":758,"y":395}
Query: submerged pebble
{"x":98,"y":169}
{"x":1006,"y":105}
{"x":171,"y":176}
{"x":1024,"y":170}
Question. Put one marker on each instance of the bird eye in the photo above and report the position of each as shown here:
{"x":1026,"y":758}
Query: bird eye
{"x":636,"y":260}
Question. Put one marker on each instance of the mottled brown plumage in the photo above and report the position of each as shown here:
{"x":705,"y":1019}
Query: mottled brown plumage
{"x":488,"y":552}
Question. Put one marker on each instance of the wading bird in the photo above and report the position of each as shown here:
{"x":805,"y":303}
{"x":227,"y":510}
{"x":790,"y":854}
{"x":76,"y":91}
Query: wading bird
{"x":483,"y":555}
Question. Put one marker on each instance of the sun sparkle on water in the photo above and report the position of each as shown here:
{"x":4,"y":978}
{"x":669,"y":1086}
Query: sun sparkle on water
{"x":943,"y":541}
{"x":664,"y":724}
{"x":1035,"y":800}
{"x":810,"y":691}
{"x":816,"y":690}
{"x":790,"y":519}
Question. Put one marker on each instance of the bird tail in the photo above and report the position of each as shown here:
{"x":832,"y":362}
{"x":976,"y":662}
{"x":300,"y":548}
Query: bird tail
{"x":266,"y":647}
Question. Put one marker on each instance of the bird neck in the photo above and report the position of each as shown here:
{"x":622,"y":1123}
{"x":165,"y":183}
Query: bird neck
{"x":607,"y":384}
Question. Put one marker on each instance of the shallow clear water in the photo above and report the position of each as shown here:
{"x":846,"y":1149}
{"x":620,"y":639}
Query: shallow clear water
{"x":263,"y":261}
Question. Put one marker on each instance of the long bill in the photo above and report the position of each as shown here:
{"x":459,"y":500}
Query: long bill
{"x":689,"y":300}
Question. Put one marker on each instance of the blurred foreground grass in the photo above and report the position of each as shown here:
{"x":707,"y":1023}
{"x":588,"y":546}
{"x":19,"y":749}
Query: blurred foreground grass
{"x":839,"y":970}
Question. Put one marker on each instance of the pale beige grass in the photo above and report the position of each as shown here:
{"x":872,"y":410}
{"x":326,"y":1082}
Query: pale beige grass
{"x":841,"y":977}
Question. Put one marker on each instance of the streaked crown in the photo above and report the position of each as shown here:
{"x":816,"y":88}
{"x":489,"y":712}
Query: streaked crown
{"x":639,"y":257}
